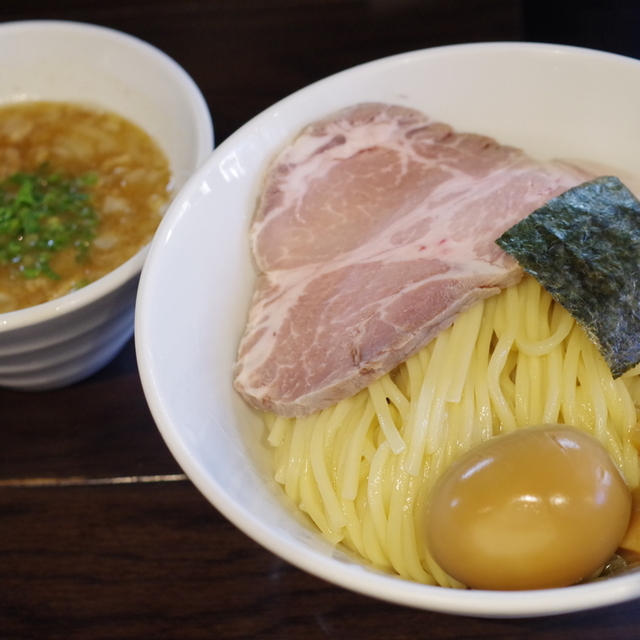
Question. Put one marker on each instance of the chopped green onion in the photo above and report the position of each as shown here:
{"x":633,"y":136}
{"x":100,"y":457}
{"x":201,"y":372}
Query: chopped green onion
{"x":42,"y":213}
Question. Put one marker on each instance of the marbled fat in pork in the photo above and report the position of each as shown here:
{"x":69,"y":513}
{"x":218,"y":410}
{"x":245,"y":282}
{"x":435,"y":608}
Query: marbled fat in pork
{"x":375,"y":229}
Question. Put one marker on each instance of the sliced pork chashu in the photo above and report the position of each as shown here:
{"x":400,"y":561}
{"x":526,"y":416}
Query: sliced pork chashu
{"x":375,"y":229}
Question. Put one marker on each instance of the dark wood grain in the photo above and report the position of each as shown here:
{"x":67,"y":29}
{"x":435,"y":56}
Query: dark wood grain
{"x":100,"y":534}
{"x":100,"y":428}
{"x":155,"y":561}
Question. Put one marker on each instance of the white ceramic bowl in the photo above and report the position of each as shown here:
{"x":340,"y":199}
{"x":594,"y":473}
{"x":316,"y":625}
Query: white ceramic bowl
{"x":197,"y":282}
{"x":63,"y":341}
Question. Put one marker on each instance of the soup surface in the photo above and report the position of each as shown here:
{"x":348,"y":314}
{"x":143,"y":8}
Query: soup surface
{"x":115,"y":175}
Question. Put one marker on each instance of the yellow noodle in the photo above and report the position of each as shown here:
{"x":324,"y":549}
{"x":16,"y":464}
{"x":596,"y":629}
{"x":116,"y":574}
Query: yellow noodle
{"x":395,"y":395}
{"x":591,"y":383}
{"x":546,"y":345}
{"x":311,"y":502}
{"x":375,"y":493}
{"x":353,"y":537}
{"x":631,"y":470}
{"x":570,"y":377}
{"x":387,"y":423}
{"x":373,"y":549}
{"x":348,"y":470}
{"x":393,"y":534}
{"x":320,"y":443}
{"x":278,"y":431}
{"x":429,"y":402}
{"x":479,"y":380}
{"x":282,"y":456}
{"x":338,"y":448}
{"x":302,"y":430}
{"x":553,"y":394}
{"x":464,"y":335}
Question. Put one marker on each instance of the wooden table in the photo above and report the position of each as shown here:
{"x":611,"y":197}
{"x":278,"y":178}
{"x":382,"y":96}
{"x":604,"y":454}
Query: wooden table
{"x":101,"y":535}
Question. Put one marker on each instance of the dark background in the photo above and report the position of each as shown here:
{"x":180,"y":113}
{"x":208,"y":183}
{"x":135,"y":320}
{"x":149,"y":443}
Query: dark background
{"x":100,"y":534}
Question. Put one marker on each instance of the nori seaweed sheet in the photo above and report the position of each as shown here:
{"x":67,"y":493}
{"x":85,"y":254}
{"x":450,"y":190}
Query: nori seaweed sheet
{"x":584,"y":249}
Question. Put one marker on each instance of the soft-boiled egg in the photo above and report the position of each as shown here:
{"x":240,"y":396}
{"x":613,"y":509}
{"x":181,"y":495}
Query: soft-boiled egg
{"x":538,"y":508}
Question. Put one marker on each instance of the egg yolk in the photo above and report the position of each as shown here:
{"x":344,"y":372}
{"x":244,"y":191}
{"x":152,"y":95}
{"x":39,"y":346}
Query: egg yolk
{"x":541,"y":507}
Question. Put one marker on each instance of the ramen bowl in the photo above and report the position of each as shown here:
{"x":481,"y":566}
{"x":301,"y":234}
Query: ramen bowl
{"x":65,"y":340}
{"x":196,"y":286}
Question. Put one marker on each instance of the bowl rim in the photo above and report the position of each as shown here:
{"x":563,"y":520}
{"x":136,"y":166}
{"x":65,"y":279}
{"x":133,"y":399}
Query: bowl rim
{"x":132,"y":267}
{"x":479,"y":603}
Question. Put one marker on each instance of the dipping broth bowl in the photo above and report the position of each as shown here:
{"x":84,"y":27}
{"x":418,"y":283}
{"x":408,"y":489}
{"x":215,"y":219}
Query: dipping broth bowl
{"x":65,"y":340}
{"x":196,"y":286}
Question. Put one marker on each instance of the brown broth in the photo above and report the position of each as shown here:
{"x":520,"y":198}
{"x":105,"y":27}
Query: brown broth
{"x":130,"y":196}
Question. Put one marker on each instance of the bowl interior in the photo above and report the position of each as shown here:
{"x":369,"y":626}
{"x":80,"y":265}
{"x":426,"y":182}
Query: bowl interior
{"x":197,"y":282}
